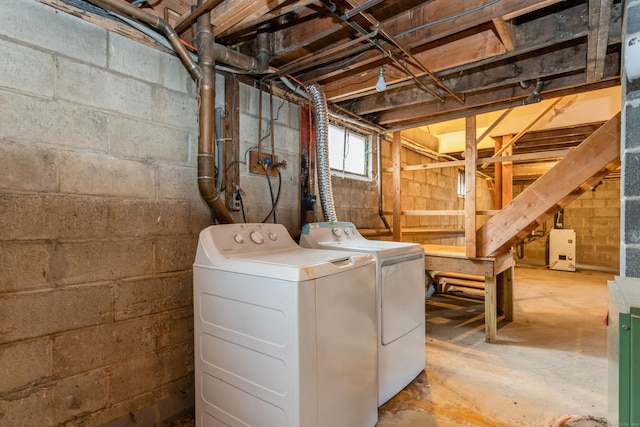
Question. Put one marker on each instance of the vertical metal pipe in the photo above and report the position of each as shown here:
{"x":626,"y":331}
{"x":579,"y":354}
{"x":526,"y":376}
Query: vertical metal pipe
{"x":206,"y":115}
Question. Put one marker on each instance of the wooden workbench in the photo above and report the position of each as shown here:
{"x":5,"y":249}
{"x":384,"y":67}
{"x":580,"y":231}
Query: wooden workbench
{"x":498,"y":284}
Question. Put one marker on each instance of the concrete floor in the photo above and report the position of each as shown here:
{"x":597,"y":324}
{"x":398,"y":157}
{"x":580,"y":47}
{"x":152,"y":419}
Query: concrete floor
{"x":551,"y":361}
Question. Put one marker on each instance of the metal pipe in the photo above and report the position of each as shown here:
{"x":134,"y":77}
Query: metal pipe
{"x":159,"y":24}
{"x":217,"y":128}
{"x":206,"y":115}
{"x":258,"y":65}
{"x":204,"y":74}
{"x":322,"y":152}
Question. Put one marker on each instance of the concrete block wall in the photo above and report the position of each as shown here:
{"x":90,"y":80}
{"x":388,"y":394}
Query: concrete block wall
{"x":286,"y":142}
{"x":595,"y":217}
{"x":99,"y":217}
{"x":430,"y":189}
{"x":630,"y":156}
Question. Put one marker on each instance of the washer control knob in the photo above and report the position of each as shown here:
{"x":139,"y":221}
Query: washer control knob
{"x":238,"y":238}
{"x":347,"y":231}
{"x":257,"y":237}
{"x":336,"y":232}
{"x":273,"y":236}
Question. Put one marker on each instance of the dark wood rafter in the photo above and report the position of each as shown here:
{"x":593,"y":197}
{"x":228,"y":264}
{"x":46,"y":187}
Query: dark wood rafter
{"x":442,"y":59}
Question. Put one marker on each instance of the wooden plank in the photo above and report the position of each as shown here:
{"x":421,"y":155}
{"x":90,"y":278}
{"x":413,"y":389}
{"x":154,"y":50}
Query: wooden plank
{"x":507,"y":172}
{"x":459,"y":265}
{"x":598,"y":38}
{"x":434,"y":212}
{"x":505,"y":32}
{"x":490,"y":310}
{"x":258,"y":18}
{"x":492,"y":191}
{"x":541,"y":34}
{"x":438,"y":12}
{"x":493,"y":125}
{"x":586,"y":160}
{"x":524,"y":130}
{"x":185,"y":21}
{"x":343,"y":86}
{"x":497,"y":173}
{"x":471,"y":153}
{"x":231,"y":124}
{"x":431,"y":231}
{"x":232,"y":12}
{"x":429,"y":112}
{"x":511,"y":158}
{"x":461,"y":282}
{"x":551,"y":154}
{"x":505,"y":293}
{"x":396,"y":154}
{"x":437,"y":165}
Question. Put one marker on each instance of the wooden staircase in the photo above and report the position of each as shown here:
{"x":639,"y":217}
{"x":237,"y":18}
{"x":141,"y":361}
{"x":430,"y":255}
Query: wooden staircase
{"x":579,"y":171}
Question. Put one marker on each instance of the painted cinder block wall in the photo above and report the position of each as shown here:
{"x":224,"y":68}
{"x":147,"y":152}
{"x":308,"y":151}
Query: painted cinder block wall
{"x":630,"y":156}
{"x":430,"y":189}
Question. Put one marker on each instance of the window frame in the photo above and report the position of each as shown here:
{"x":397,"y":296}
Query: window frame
{"x":367,"y":151}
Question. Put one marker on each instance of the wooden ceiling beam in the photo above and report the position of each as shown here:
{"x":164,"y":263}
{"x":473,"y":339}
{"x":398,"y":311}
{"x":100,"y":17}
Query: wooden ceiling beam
{"x":458,"y":56}
{"x":473,"y":48}
{"x":486,"y":101}
{"x":439,"y":19}
{"x":598,"y":39}
{"x":231,"y":12}
{"x":567,"y":60}
{"x":506,"y":31}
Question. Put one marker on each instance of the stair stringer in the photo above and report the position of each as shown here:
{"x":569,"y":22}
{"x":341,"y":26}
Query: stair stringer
{"x":577,"y":172}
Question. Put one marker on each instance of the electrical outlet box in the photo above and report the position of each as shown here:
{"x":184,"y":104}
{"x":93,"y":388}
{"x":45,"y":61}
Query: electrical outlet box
{"x":255,"y":167}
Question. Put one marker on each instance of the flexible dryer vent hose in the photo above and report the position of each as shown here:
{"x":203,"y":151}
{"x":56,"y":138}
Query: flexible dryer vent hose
{"x":322,"y":152}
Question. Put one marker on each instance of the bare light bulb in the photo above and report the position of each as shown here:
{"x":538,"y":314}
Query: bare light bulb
{"x":381,"y":85}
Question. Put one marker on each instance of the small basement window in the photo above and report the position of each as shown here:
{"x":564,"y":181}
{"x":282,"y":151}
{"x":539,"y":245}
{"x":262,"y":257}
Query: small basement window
{"x":462,"y":188}
{"x":349,"y":152}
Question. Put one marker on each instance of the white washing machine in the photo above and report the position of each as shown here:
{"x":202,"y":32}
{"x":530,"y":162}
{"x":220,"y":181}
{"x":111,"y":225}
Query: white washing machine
{"x":400,"y":299}
{"x":284,"y":336}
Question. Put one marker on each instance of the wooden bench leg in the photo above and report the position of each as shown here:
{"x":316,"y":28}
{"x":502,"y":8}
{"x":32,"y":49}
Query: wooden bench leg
{"x":490,"y":309}
{"x":506,"y":293}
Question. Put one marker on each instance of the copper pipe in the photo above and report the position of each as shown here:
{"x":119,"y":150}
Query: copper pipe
{"x":206,"y":137}
{"x":185,"y":22}
{"x":204,"y":74}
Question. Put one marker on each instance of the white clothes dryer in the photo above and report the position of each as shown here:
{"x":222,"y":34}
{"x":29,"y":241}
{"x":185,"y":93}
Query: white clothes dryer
{"x":400,"y":299}
{"x":284,"y":336}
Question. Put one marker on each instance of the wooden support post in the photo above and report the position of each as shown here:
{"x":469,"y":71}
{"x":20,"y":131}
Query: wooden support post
{"x":490,"y":309}
{"x":231,"y":145}
{"x":507,"y":173}
{"x":396,"y":153}
{"x":497,"y":201}
{"x":505,"y":293}
{"x":471,"y":153}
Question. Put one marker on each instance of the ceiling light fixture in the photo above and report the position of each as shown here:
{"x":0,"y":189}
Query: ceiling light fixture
{"x":381,"y":85}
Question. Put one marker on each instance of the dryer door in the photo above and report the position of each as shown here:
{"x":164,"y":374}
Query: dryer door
{"x":402,"y":297}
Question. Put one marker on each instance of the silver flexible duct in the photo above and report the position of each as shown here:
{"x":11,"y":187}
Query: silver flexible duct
{"x":322,"y":152}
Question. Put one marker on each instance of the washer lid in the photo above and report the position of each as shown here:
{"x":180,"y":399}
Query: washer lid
{"x":295,"y":265}
{"x":344,"y":236}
